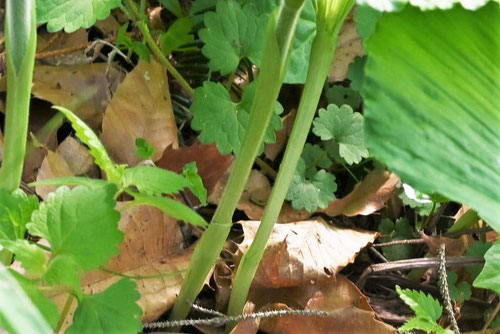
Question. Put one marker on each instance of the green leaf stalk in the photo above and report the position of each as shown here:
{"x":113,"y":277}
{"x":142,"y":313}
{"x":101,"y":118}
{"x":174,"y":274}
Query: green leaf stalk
{"x":330,"y":16}
{"x":280,"y":31}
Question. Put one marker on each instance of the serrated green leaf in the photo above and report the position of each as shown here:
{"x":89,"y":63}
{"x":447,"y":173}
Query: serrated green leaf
{"x":231,"y":33}
{"x":15,"y":212}
{"x":81,"y":223}
{"x":172,"y":208}
{"x":32,"y":257}
{"x":44,"y":304}
{"x":73,"y":15}
{"x":395,"y":5}
{"x":190,"y":172}
{"x":436,"y":123}
{"x":154,"y":181}
{"x":311,"y":193}
{"x":424,"y":324}
{"x":478,"y":248}
{"x":112,"y":311}
{"x":222,"y":121}
{"x":357,"y":73}
{"x":96,"y":149}
{"x":177,"y":35}
{"x":489,"y":278}
{"x":63,"y":271}
{"x":143,"y":149}
{"x":315,"y":158}
{"x":460,"y":291}
{"x":18,"y":313}
{"x":345,"y":128}
{"x":340,"y":95}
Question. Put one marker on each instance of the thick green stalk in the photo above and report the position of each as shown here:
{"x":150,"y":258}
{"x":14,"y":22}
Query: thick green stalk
{"x":20,"y":41}
{"x":280,"y":30}
{"x":322,"y":55}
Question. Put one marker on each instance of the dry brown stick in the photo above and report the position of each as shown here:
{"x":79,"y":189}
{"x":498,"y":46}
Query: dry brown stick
{"x":431,"y":262}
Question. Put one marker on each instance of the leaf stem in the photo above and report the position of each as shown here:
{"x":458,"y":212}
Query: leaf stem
{"x":280,"y":29}
{"x":143,"y":27}
{"x":322,"y":55}
{"x":64,"y":313}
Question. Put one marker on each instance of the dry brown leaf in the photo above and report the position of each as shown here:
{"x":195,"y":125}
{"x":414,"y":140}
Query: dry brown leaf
{"x":349,"y":47}
{"x":53,"y":165}
{"x":367,"y":196}
{"x":81,"y":88}
{"x":140,"y":108}
{"x":76,"y":155}
{"x":303,"y":252}
{"x":56,"y":42}
{"x":454,"y":247}
{"x":349,"y":309}
{"x":153,"y":245}
{"x":210,"y":163}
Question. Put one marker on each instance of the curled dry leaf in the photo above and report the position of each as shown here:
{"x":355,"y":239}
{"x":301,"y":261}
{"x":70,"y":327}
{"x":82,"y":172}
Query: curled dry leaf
{"x":349,"y":310}
{"x":210,"y":163}
{"x":153,"y":245}
{"x":303,"y":252}
{"x":454,"y":247}
{"x":60,"y":49}
{"x":349,"y":47}
{"x":84,"y":89}
{"x":140,"y":108}
{"x":367,"y":196}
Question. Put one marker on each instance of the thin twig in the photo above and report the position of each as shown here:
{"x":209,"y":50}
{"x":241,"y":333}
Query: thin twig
{"x":400,"y":242}
{"x":443,"y":288}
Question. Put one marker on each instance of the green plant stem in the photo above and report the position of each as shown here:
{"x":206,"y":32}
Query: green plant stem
{"x":143,"y":27}
{"x":20,"y":32}
{"x":322,"y":55}
{"x":280,"y":30}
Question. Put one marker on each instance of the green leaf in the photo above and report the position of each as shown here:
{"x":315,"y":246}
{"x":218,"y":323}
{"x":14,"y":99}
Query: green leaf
{"x":311,"y":193}
{"x":400,"y":231}
{"x":423,"y":209}
{"x":315,"y":158}
{"x":222,"y":121}
{"x":179,"y":34}
{"x":460,"y":291}
{"x":96,"y":149}
{"x":427,"y":310}
{"x":366,"y":21}
{"x":357,"y":73}
{"x":394,"y":5}
{"x":345,"y":128}
{"x":81,"y":223}
{"x":124,"y":41}
{"x":73,"y":15}
{"x":436,"y":123}
{"x":63,"y":271}
{"x":18,"y":314}
{"x":233,"y":32}
{"x":489,"y":278}
{"x":143,"y":148}
{"x":478,"y":248}
{"x":71,"y":180}
{"x":154,"y":181}
{"x":173,"y":6}
{"x":111,"y":311}
{"x":340,"y":95}
{"x":172,"y":208}
{"x":32,"y":257}
{"x":15,"y":212}
{"x":190,"y":172}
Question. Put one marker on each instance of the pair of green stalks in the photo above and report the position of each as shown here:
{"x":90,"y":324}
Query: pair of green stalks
{"x":281,"y":27}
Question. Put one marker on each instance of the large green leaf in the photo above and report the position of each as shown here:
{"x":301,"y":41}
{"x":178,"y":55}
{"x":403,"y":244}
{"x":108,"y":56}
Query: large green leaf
{"x":394,"y":5}
{"x":431,"y":96}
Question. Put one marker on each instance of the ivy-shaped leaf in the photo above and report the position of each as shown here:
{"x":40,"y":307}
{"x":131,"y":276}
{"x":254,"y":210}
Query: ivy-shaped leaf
{"x":345,"y":127}
{"x":81,"y":223}
{"x":231,"y":33}
{"x":73,"y":15}
{"x":311,"y":193}
{"x":96,"y":149}
{"x":112,"y":311}
{"x":222,"y":121}
{"x":15,"y":212}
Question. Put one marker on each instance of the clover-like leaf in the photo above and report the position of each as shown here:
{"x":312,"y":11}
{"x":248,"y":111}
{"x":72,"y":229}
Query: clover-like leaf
{"x":222,"y":121}
{"x":81,"y":223}
{"x":231,"y":33}
{"x":311,"y":193}
{"x":345,"y":128}
{"x":112,"y":311}
{"x":73,"y":15}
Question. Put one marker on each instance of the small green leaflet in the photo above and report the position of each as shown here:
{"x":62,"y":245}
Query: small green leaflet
{"x":231,"y":33}
{"x":399,"y":231}
{"x":427,"y":311}
{"x":315,"y":157}
{"x":173,"y":6}
{"x":179,"y":34}
{"x":190,"y":172}
{"x":478,"y":248}
{"x":311,"y":193}
{"x":222,"y":121}
{"x":81,"y":223}
{"x":489,"y":278}
{"x":366,"y":20}
{"x":339,"y":95}
{"x":123,"y":41}
{"x":96,"y":149}
{"x":458,"y":292}
{"x":345,"y":128}
{"x":356,"y":73}
{"x":144,"y":149}
{"x":112,"y":311}
{"x":15,"y":213}
{"x":72,"y":15}
{"x":154,"y":181}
